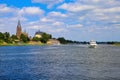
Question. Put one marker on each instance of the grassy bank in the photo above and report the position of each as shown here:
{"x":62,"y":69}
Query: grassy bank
{"x":22,"y":44}
{"x":117,"y":44}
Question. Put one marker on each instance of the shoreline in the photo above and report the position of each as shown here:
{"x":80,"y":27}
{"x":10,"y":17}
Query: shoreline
{"x":117,"y":44}
{"x":33,"y":43}
{"x":23,"y":44}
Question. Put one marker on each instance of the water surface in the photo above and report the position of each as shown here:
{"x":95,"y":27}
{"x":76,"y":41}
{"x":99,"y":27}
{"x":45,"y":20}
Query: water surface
{"x":64,"y":62}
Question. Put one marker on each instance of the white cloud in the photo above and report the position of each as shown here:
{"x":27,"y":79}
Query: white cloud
{"x":31,"y":11}
{"x":47,"y":27}
{"x":61,"y":30}
{"x":75,"y":7}
{"x":5,"y":9}
{"x":57,"y":14}
{"x":95,"y":0}
{"x":114,"y":9}
{"x":93,"y":16}
{"x":46,"y":20}
{"x":100,"y":2}
{"x":18,"y":12}
{"x":36,"y":27}
{"x":81,"y":17}
{"x":75,"y":26}
{"x":58,"y":30}
{"x":107,"y":10}
{"x":8,"y":24}
{"x":117,"y":25}
{"x":10,"y":16}
{"x":50,"y":3}
{"x":90,"y":1}
{"x":58,"y":23}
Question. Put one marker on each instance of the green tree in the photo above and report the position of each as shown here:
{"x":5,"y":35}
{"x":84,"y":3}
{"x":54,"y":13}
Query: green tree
{"x":36,"y":39}
{"x":7,"y":37}
{"x":24,"y":38}
{"x":1,"y":36}
{"x":62,"y":40}
{"x":45,"y":37}
{"x":14,"y":37}
{"x":43,"y":40}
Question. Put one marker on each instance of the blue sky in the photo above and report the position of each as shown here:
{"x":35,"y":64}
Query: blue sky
{"x":80,"y":20}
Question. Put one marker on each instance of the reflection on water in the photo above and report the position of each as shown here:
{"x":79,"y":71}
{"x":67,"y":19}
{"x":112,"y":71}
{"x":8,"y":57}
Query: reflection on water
{"x":65,"y":62}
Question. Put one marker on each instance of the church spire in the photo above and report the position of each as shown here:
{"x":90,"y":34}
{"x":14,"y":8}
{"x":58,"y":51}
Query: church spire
{"x":18,"y":30}
{"x":19,"y":25}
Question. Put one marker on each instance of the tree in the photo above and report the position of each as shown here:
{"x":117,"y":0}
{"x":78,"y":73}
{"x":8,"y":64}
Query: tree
{"x":1,"y":36}
{"x":7,"y":37}
{"x":62,"y":40}
{"x":14,"y":37}
{"x":45,"y":37}
{"x":36,"y":39}
{"x":24,"y":38}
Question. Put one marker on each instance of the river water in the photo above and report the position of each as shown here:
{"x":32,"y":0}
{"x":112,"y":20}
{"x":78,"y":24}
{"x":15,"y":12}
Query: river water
{"x":64,"y":62}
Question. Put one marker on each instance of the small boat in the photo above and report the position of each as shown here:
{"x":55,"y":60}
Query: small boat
{"x":92,"y":44}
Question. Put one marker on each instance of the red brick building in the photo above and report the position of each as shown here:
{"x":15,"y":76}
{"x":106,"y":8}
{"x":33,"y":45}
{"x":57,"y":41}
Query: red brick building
{"x":18,"y":30}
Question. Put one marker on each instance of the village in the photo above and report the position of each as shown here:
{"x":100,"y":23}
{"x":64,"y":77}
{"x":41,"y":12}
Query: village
{"x":40,"y":38}
{"x":22,"y":38}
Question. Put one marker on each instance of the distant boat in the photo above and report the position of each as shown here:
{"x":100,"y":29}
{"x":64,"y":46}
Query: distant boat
{"x":92,"y":44}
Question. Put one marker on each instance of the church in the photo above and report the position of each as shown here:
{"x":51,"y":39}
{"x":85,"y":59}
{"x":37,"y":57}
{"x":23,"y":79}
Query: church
{"x":19,"y":30}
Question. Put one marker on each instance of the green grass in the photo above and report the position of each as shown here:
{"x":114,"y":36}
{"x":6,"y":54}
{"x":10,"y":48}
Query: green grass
{"x":20,"y":44}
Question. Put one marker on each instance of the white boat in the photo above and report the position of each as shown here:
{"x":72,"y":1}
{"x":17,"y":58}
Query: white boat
{"x":92,"y":44}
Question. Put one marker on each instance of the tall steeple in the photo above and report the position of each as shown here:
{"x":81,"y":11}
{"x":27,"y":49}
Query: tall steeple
{"x":18,"y":30}
{"x":19,"y":25}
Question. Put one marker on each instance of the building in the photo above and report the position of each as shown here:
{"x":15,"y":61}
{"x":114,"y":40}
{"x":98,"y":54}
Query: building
{"x":18,"y":30}
{"x":38,"y":34}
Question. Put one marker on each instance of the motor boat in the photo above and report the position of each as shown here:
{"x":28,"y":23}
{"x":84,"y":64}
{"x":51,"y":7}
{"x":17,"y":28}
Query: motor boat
{"x":92,"y":44}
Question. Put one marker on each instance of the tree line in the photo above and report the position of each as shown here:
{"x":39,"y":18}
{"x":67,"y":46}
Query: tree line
{"x":65,"y":41}
{"x":5,"y":37}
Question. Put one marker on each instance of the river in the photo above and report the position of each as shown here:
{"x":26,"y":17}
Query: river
{"x":64,"y":62}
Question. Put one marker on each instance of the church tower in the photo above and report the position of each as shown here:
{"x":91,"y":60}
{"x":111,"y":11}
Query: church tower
{"x":18,"y":30}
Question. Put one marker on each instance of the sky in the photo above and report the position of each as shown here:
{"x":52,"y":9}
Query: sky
{"x":80,"y":20}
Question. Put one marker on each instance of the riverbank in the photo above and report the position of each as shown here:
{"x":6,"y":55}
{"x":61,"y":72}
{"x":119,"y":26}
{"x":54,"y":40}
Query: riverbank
{"x":22,"y":43}
{"x":116,"y":44}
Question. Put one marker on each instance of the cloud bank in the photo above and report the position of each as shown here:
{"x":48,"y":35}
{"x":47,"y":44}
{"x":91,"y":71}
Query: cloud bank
{"x":82,"y":19}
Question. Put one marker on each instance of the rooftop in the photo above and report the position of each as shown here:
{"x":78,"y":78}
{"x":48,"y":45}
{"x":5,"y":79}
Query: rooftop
{"x":38,"y":32}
